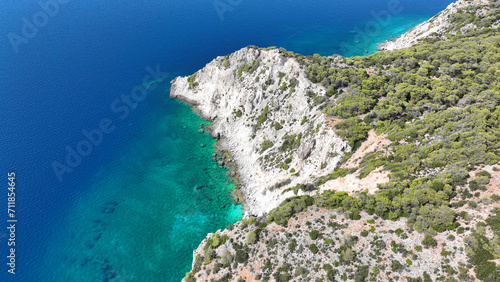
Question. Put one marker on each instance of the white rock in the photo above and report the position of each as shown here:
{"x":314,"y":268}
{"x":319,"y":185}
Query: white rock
{"x":220,"y":93}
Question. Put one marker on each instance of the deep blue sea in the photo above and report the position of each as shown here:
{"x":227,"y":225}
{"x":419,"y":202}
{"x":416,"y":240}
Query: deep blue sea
{"x":126,"y":205}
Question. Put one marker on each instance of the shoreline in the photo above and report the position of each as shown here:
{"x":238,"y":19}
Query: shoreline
{"x":244,"y":107}
{"x":434,"y":27}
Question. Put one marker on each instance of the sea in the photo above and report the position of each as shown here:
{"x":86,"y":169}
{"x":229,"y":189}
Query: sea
{"x":112,"y":179}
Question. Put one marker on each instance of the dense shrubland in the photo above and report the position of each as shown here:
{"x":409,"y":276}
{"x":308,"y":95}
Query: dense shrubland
{"x":439,"y":104}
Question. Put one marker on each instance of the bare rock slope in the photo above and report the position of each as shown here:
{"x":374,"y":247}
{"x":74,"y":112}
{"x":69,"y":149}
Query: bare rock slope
{"x":261,"y":108}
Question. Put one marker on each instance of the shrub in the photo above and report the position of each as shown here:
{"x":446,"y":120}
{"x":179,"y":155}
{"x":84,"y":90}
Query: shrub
{"x":313,"y":248}
{"x":494,"y":221}
{"x":292,"y":245}
{"x":427,"y":277}
{"x":192,"y":81}
{"x":266,"y":144}
{"x":277,"y":126}
{"x":215,"y":241}
{"x":290,"y":142}
{"x":314,"y":234}
{"x":347,"y":255}
{"x":289,"y":207}
{"x":473,"y":204}
{"x":429,"y":241}
{"x":396,"y":266}
{"x":263,"y":117}
{"x":251,"y":238}
{"x":241,"y":256}
{"x":189,"y":277}
{"x":285,"y":277}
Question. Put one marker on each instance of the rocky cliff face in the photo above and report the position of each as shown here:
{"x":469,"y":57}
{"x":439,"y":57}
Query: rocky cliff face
{"x":435,"y":27}
{"x":261,"y":105}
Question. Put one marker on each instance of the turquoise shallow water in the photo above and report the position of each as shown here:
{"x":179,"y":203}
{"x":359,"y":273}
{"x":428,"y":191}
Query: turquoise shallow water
{"x":348,"y":40}
{"x":145,"y":214}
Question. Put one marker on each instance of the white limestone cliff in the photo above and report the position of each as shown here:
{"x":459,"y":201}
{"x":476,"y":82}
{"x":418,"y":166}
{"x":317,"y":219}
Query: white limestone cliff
{"x":234,"y":104}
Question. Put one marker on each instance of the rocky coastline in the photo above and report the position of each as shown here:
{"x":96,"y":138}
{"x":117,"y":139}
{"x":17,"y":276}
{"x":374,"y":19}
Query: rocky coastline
{"x":434,"y":27}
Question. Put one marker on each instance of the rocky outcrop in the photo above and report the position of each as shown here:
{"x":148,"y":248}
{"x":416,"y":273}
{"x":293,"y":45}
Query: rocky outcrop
{"x":261,"y":112}
{"x":434,"y":27}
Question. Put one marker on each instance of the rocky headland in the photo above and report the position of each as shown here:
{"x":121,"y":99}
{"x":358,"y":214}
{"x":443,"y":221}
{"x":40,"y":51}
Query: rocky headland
{"x":262,"y":108}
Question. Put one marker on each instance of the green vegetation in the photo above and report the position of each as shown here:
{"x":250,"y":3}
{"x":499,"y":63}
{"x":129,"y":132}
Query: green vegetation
{"x":249,"y":68}
{"x":277,"y":126}
{"x":439,"y":104}
{"x":192,"y":81}
{"x":314,"y":234}
{"x":353,"y":130}
{"x":266,"y":144}
{"x":263,"y":117}
{"x":494,"y":221}
{"x":289,"y":207}
{"x":252,"y":238}
{"x":239,"y":113}
{"x":429,"y":241}
{"x":241,"y":256}
{"x":313,"y":248}
{"x":290,"y":142}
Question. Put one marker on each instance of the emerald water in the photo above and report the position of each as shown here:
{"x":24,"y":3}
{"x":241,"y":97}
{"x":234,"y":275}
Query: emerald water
{"x":145,"y":212}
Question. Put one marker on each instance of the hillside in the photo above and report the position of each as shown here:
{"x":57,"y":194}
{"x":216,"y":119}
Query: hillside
{"x":393,"y":158}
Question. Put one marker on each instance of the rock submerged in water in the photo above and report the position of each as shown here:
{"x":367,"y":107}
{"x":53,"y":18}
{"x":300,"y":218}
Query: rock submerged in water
{"x":109,"y":207}
{"x":203,"y":145}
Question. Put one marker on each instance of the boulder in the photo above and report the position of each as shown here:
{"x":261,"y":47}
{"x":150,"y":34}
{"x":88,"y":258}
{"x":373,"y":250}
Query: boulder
{"x":308,"y":148}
